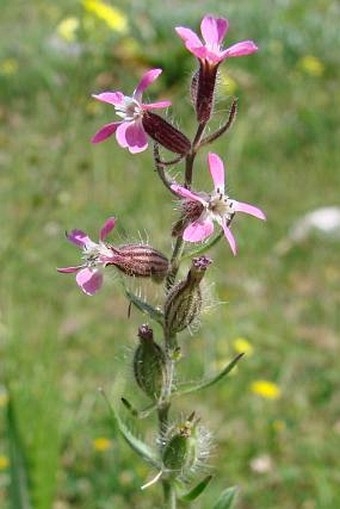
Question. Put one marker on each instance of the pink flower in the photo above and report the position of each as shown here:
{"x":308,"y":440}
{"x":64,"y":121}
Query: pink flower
{"x":213,"y":31}
{"x":216,"y":207}
{"x":130,"y":132}
{"x":96,"y":256}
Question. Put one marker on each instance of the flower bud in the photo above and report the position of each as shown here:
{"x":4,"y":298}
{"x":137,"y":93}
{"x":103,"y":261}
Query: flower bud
{"x":185,"y":445}
{"x":190,"y":211}
{"x":165,"y":134}
{"x":149,"y":364}
{"x":140,"y":260}
{"x":205,"y":91}
{"x":184,"y":301}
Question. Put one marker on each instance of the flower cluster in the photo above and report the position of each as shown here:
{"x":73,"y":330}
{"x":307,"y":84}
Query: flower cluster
{"x":184,"y":445}
{"x":200,"y":210}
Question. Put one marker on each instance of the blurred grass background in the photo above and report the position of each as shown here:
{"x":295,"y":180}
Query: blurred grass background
{"x":278,"y":442}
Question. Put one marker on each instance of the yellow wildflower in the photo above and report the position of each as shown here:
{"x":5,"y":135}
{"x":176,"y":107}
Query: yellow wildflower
{"x":113,"y":17}
{"x":101,"y":444}
{"x":4,"y":462}
{"x":67,"y":28}
{"x":242,"y":345}
{"x":266,"y":389}
{"x":312,"y":65}
{"x":8,"y":66}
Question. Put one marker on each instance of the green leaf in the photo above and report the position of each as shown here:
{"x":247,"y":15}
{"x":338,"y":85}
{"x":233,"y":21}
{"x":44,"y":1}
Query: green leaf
{"x":144,"y":307}
{"x":190,"y":387}
{"x":139,"y":414}
{"x":134,"y":442}
{"x":226,"y":498}
{"x":19,"y":495}
{"x":197,"y":490}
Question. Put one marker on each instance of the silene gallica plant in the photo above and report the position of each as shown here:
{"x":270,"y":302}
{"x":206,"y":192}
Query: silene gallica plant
{"x":181,"y":451}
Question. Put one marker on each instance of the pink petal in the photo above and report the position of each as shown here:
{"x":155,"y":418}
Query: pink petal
{"x":189,"y":37}
{"x":107,"y":228}
{"x":157,"y":105}
{"x":105,"y":132}
{"x":198,"y":230}
{"x":68,"y":270}
{"x":185,"y":193}
{"x":90,"y":281}
{"x":131,"y":135}
{"x":249,"y":209}
{"x":79,"y":238}
{"x":240,"y":49}
{"x":230,"y":238}
{"x":115,"y":98}
{"x":217,"y":171}
{"x":148,"y":78}
{"x":214,"y":29}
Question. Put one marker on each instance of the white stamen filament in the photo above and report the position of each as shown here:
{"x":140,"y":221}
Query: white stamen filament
{"x":130,"y":110}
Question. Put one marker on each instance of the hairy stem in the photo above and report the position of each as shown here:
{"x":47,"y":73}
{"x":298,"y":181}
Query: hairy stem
{"x":189,"y":161}
{"x":169,"y":495}
{"x":171,"y":342}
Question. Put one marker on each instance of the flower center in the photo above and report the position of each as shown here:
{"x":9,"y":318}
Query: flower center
{"x":97,"y":254}
{"x":129,"y":110}
{"x":221,"y":205}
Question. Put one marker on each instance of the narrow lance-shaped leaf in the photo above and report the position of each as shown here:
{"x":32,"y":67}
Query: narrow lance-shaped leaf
{"x":139,"y":414}
{"x":19,"y":494}
{"x":135,"y":443}
{"x":226,"y":499}
{"x":144,"y":307}
{"x":190,"y":387}
{"x":197,"y":490}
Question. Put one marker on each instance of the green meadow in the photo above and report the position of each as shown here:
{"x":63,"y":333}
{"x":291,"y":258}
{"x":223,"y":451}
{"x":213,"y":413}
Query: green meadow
{"x":276,"y":418}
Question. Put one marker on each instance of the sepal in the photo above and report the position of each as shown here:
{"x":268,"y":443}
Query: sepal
{"x":184,"y":301}
{"x":165,"y":134}
{"x":181,"y":448}
{"x":205,"y":91}
{"x":149,"y":364}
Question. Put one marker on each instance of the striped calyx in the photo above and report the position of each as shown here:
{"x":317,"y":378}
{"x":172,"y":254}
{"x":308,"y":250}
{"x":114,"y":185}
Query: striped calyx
{"x":205,"y":90}
{"x":165,"y":134}
{"x":149,"y":364}
{"x":140,"y":260}
{"x":184,"y":301}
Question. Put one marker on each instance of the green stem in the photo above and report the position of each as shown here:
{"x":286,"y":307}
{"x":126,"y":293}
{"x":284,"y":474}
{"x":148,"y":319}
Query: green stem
{"x":169,"y":495}
{"x":169,"y":491}
{"x":175,"y":261}
{"x":189,"y":162}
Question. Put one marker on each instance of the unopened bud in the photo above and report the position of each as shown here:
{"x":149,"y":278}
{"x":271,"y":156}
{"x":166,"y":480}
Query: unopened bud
{"x":205,"y":91}
{"x":184,"y":301}
{"x":190,"y":211}
{"x":149,"y":364}
{"x":165,"y":134}
{"x":185,"y":445}
{"x":140,"y":260}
